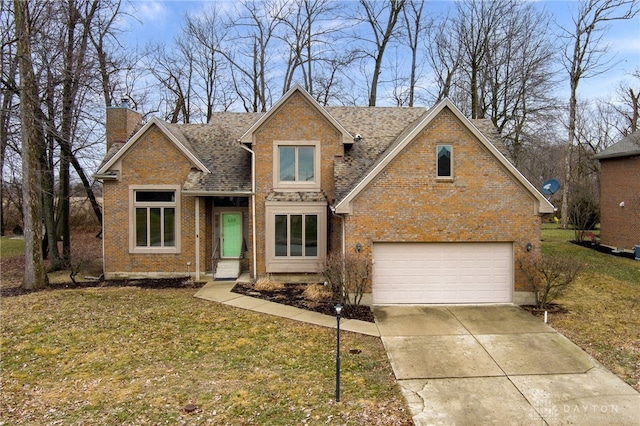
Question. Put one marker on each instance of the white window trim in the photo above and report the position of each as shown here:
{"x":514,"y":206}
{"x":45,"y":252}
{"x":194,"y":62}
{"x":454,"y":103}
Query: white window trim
{"x":296,"y":185}
{"x":133,"y":249}
{"x":295,"y":263}
{"x":450,"y":177}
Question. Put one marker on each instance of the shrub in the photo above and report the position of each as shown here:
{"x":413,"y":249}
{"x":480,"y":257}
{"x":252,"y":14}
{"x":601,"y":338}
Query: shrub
{"x":550,"y":276}
{"x":267,"y":283}
{"x":317,"y":293}
{"x":584,"y":210}
{"x":348,"y":276}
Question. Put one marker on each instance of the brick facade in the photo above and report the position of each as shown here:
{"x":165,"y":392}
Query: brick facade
{"x":121,"y":124}
{"x":153,"y":160}
{"x":620,"y":182}
{"x":308,"y":125}
{"x":483,"y":203}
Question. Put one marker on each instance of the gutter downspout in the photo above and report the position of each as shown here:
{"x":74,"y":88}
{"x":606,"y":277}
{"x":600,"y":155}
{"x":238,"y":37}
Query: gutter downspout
{"x":253,"y":207}
{"x":339,"y":216}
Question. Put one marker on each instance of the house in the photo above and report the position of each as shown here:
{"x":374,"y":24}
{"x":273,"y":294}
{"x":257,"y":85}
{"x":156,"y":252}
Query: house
{"x":620,"y":193}
{"x":424,"y":194}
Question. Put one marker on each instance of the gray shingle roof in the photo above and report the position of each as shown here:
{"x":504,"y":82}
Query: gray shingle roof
{"x":628,"y":146}
{"x":379,"y":128}
{"x":216,"y":145}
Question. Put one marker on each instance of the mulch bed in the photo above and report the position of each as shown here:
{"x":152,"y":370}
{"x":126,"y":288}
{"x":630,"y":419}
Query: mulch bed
{"x":603,"y":249}
{"x":552,"y":308}
{"x":183,"y":282}
{"x":291,"y":295}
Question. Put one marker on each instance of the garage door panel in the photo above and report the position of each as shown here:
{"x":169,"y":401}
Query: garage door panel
{"x":442,"y":273}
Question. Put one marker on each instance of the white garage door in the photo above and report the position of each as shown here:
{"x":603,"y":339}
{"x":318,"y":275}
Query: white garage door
{"x":416,"y":273}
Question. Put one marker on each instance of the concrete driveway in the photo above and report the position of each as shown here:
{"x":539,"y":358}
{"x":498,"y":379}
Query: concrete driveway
{"x":471,"y":365}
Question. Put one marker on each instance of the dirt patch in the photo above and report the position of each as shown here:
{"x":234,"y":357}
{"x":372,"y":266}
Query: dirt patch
{"x":292,"y":295}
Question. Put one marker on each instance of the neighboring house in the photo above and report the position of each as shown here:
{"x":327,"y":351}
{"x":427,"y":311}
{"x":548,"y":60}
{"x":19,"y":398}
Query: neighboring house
{"x":424,"y":194}
{"x":620,"y":193}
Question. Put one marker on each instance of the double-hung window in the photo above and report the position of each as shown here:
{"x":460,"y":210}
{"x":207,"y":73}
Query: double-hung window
{"x":444,"y":161}
{"x":155,"y":216}
{"x":296,"y":235}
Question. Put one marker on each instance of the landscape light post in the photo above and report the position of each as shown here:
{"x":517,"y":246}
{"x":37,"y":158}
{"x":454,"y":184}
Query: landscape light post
{"x":338,"y":309}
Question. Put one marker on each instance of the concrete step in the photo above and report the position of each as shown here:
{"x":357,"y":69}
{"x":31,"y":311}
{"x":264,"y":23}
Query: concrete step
{"x":228,"y":269}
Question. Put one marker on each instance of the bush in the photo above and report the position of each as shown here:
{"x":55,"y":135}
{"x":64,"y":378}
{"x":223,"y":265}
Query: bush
{"x":348,"y":276}
{"x":267,"y":284}
{"x":317,"y":293}
{"x":584,"y":214}
{"x":584,"y":210}
{"x":550,"y":276}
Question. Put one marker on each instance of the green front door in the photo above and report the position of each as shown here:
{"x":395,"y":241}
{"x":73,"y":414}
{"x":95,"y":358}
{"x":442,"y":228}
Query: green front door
{"x":231,"y":234}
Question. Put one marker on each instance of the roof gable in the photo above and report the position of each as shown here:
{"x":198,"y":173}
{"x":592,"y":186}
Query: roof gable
{"x":247,"y":137}
{"x":344,"y":205}
{"x":626,"y":147}
{"x":173,"y":135}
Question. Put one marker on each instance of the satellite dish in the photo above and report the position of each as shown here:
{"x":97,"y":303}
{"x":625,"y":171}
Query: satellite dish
{"x":550,"y":187}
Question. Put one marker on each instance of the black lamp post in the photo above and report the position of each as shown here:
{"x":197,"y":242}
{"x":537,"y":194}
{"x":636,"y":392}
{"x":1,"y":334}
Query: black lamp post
{"x":338,"y":309}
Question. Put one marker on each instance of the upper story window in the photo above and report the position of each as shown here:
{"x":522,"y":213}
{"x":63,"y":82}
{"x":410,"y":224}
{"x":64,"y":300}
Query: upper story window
{"x":296,"y":164}
{"x":154,"y":222}
{"x":444,"y":161}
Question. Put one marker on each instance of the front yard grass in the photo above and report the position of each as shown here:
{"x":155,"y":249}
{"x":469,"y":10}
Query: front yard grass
{"x":112,"y":356}
{"x":140,"y":356}
{"x":603,"y":306}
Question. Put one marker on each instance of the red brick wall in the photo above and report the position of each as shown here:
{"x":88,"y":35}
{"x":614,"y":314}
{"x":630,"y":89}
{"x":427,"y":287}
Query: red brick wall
{"x":156,"y":161}
{"x":620,"y":181}
{"x":483,"y":203}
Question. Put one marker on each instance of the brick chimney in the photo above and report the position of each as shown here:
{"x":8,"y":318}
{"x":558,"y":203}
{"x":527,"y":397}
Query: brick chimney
{"x":122,"y":122}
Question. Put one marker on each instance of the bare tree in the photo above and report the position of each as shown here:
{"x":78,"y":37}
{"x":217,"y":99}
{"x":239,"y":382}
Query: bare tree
{"x":519,"y":78}
{"x":476,"y":26}
{"x":174,"y":73}
{"x":204,"y":35}
{"x":415,"y":27}
{"x":382,"y":17}
{"x":628,"y":105}
{"x":585,"y":56}
{"x":308,"y":40}
{"x":8,"y":91}
{"x":35,"y":275}
{"x":444,"y":54}
{"x":249,"y":50}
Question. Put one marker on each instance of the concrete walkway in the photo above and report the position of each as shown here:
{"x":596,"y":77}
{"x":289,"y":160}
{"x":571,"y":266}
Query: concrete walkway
{"x":478,"y":365}
{"x":471,"y":365}
{"x":220,"y":291}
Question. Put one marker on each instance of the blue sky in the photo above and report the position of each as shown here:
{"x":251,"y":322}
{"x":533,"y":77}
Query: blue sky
{"x":160,"y":21}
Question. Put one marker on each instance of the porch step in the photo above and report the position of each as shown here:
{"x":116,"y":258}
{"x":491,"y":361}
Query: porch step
{"x":228,"y":269}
